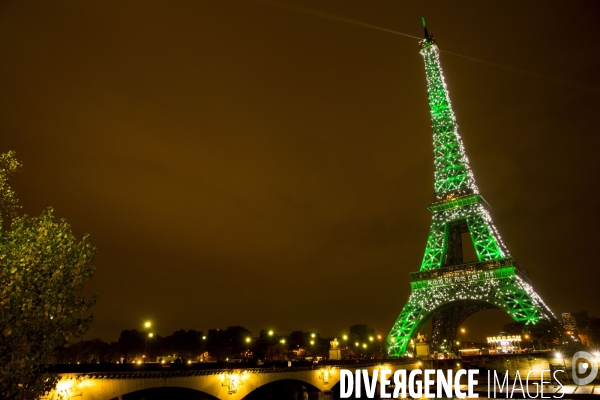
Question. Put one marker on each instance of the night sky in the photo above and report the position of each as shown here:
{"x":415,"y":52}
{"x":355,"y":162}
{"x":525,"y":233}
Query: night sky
{"x":269,"y":163}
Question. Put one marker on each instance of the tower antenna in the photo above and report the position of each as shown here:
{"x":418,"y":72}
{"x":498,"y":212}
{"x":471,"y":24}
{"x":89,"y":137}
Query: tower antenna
{"x":425,"y":27}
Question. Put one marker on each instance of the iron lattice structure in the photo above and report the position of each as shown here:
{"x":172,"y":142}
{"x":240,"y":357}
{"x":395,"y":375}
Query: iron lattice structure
{"x":446,"y":289}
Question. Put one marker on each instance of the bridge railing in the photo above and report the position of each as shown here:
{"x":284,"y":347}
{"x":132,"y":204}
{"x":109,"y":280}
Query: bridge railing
{"x":205,"y":368}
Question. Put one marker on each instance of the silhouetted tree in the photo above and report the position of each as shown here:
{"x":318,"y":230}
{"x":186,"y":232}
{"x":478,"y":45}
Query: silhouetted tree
{"x":542,"y":334}
{"x":132,"y":343}
{"x":588,"y":328}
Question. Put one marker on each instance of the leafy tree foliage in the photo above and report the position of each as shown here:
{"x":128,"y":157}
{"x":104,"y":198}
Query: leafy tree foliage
{"x":361,"y":333}
{"x":227,"y":343}
{"x":43,"y":269}
{"x":132,"y":343}
{"x":187,"y":344}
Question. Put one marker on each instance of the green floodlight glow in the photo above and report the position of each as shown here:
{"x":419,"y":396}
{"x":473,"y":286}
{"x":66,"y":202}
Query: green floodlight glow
{"x":443,"y":280}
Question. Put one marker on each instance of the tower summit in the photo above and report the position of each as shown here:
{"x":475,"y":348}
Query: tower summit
{"x":453,"y":176}
{"x":446,"y":289}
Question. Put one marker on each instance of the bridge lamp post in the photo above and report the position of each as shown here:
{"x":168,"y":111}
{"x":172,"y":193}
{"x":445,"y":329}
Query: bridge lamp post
{"x":147,"y":325}
{"x":270,"y":345}
{"x":150,"y":336}
{"x":464,"y":331}
{"x":281,"y":342}
{"x":312,"y":344}
{"x":380,"y":348}
{"x":248,"y":340}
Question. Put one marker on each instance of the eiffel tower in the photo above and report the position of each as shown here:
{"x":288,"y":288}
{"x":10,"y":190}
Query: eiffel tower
{"x":446,"y":289}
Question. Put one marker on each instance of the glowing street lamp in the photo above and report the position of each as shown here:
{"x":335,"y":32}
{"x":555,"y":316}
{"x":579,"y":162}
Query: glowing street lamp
{"x":248,"y":340}
{"x":147,"y":325}
{"x":270,"y":345}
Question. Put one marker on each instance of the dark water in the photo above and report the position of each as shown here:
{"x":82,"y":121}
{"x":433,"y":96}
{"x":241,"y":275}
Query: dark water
{"x":285,"y":393}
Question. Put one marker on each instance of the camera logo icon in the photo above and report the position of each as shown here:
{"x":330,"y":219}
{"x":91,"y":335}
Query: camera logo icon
{"x":590,"y":364}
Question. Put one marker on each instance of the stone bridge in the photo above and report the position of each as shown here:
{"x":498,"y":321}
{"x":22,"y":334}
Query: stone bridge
{"x":229,"y":381}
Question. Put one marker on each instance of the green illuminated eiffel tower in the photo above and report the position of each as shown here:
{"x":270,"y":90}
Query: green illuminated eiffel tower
{"x":446,"y":289}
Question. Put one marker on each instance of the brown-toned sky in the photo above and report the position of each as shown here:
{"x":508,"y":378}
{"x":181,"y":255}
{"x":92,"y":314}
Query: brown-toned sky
{"x":269,"y":163}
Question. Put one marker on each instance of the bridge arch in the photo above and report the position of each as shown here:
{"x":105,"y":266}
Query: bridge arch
{"x":283,"y":389}
{"x":502,"y":288}
{"x":447,"y":318}
{"x":168,"y":392}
